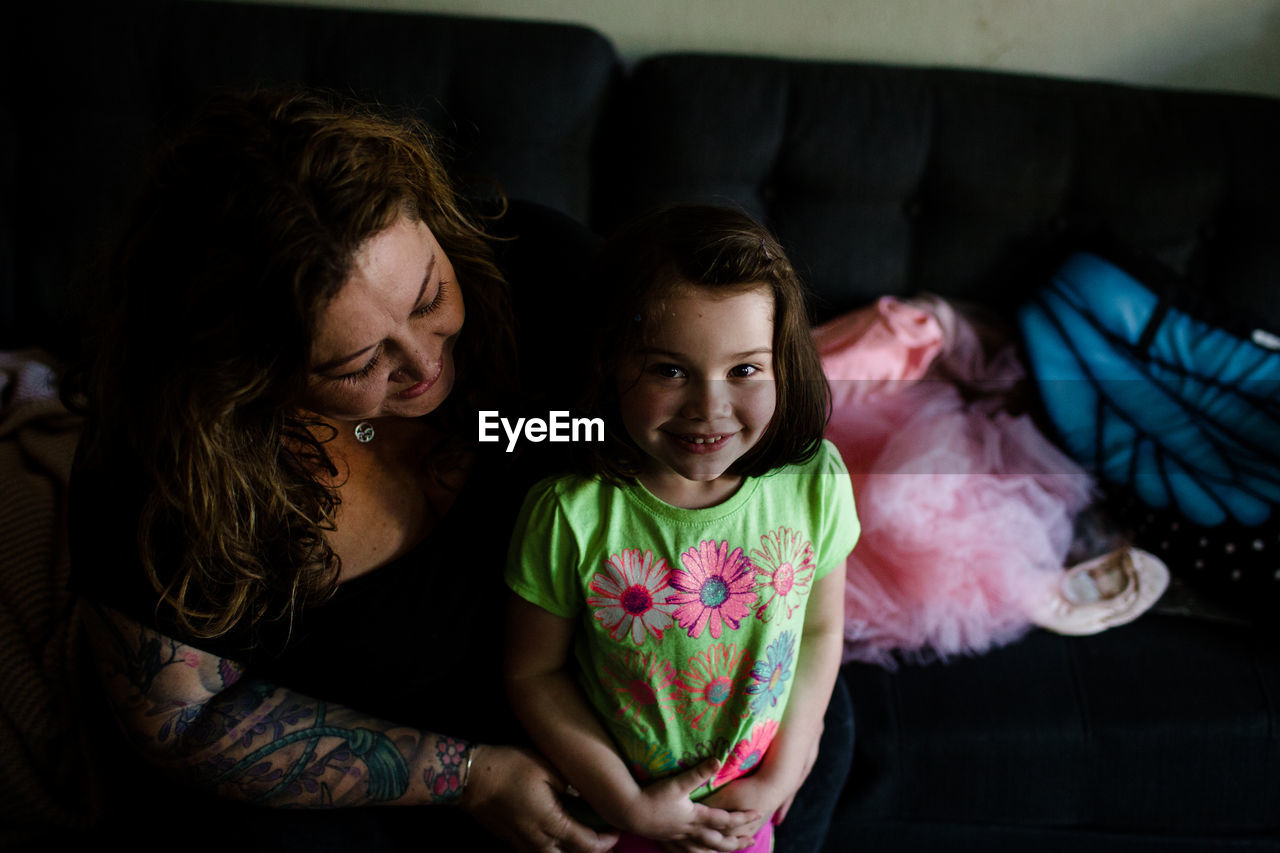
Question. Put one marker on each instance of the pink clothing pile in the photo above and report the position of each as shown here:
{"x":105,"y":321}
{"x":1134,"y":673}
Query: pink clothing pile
{"x":967,"y":511}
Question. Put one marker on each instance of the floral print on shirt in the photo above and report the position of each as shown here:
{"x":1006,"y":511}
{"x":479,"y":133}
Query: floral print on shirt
{"x":714,"y":684}
{"x":640,"y":683}
{"x":637,"y":595}
{"x":631,"y":598}
{"x":748,"y":753}
{"x":648,"y":761}
{"x":784,"y":570}
{"x":717,"y":588}
{"x":770,"y":675}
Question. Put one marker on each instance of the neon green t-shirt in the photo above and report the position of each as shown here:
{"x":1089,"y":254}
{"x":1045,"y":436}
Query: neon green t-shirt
{"x":689,"y":621}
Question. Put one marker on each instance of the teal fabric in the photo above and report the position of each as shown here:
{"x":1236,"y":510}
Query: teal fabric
{"x":1149,"y":397}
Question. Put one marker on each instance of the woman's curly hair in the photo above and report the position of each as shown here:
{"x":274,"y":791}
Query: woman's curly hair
{"x":247,"y":226}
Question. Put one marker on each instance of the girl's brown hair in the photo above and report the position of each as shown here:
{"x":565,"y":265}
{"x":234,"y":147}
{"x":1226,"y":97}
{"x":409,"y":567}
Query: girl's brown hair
{"x":717,"y":248}
{"x":247,"y":226}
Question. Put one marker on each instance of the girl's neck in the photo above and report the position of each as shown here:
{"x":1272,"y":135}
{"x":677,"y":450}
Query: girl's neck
{"x":671,"y":488}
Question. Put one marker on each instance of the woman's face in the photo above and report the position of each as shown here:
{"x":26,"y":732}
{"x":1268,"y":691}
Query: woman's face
{"x":384,"y":343}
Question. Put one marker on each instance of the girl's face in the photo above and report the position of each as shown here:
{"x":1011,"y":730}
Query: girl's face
{"x":384,"y":343}
{"x":700,"y":392}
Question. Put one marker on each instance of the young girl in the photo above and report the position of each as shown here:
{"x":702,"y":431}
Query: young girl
{"x":677,"y":625}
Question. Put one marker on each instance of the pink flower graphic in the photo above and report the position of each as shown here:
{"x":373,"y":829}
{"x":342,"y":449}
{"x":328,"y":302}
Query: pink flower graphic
{"x":718,"y":588}
{"x":713,"y":684}
{"x":641,"y":683}
{"x":784,"y":570}
{"x":748,"y":754}
{"x":627,"y":601}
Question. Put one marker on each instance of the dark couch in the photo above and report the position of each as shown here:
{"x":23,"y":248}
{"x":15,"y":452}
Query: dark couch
{"x":1161,"y":735}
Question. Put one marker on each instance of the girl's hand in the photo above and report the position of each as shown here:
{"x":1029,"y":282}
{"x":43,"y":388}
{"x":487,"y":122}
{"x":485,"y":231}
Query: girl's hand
{"x":664,"y":812}
{"x":754,"y":794}
{"x":514,"y":794}
{"x":739,"y":793}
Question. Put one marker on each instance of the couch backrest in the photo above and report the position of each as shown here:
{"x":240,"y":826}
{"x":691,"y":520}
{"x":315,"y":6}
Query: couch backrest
{"x":94,"y":86}
{"x":879,"y":179}
{"x":893,"y":180}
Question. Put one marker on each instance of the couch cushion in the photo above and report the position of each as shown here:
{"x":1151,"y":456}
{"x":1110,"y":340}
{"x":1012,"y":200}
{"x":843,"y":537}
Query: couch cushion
{"x":895,"y":180}
{"x":1165,"y":726}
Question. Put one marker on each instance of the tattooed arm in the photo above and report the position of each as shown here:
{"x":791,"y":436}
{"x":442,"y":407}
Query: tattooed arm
{"x":201,"y":718}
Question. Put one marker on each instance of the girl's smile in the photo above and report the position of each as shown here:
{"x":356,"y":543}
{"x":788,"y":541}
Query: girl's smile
{"x":701,"y":443}
{"x":700,"y":393}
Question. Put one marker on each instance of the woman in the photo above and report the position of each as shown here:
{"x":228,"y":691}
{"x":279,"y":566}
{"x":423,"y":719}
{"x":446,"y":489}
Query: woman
{"x":278,"y":515}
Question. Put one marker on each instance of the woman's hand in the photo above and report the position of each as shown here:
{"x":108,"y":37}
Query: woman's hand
{"x":514,"y":794}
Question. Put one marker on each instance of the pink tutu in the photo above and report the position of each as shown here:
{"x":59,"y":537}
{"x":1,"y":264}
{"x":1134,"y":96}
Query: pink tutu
{"x":967,"y":511}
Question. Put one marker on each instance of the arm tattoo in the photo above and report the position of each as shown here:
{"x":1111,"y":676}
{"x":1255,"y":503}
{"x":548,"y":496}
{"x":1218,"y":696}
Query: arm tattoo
{"x":446,"y":782}
{"x":266,"y":768}
{"x":256,"y":741}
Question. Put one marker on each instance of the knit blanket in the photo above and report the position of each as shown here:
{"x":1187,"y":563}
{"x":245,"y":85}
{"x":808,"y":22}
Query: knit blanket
{"x":45,"y":784}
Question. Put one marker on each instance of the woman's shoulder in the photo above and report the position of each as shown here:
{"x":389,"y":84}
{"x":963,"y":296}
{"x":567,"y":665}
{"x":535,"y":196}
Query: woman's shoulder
{"x":547,"y":257}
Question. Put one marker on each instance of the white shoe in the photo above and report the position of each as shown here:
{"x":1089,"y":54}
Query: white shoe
{"x":1102,"y":593}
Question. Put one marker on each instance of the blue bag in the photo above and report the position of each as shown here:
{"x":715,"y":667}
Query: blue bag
{"x":1183,"y":414}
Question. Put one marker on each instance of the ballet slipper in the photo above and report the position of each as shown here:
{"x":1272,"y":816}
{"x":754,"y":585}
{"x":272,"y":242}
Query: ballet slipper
{"x":1106,"y":591}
